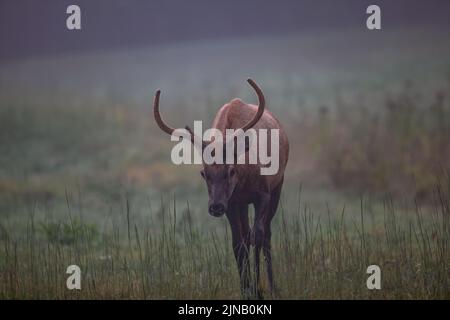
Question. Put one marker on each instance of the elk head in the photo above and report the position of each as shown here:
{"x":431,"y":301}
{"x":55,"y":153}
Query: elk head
{"x":221,"y":179}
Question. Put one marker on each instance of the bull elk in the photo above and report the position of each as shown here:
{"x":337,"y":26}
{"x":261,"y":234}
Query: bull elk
{"x":233,"y":187}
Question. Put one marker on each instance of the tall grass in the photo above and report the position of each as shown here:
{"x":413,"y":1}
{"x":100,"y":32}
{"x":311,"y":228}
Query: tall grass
{"x":316,"y":256}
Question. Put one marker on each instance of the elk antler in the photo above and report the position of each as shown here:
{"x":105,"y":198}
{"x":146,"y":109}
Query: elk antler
{"x":261,"y":105}
{"x":164,"y":127}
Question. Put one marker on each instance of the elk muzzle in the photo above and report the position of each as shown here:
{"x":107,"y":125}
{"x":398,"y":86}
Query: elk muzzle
{"x":217,"y":209}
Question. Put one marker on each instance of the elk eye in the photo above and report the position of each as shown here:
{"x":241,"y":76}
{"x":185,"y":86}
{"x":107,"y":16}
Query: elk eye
{"x":203,"y":174}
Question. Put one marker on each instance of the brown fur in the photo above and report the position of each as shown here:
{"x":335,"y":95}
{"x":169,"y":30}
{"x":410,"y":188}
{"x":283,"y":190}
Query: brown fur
{"x":234,"y":115}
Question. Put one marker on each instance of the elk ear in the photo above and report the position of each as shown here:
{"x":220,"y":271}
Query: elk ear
{"x":198,"y":143}
{"x":236,"y":153}
{"x":231,"y":171}
{"x":246,"y":147}
{"x":247,"y":144}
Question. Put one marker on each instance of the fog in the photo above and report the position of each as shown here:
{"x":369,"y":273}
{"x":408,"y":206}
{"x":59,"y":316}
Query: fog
{"x":30,"y":28}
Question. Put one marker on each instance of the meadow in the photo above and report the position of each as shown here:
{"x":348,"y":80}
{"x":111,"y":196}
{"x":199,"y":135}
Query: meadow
{"x":86,"y":176}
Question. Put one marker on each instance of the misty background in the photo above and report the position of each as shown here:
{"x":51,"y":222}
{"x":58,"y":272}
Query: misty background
{"x":308,"y":56}
{"x":313,"y":59}
{"x":76,"y":105}
{"x":30,"y":28}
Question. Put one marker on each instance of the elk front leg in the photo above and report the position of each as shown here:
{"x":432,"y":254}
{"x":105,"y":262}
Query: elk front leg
{"x":240,"y":241}
{"x":262,"y":210}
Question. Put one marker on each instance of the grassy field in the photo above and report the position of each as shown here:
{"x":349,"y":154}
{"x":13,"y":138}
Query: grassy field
{"x":86,"y":177}
{"x":314,"y":257}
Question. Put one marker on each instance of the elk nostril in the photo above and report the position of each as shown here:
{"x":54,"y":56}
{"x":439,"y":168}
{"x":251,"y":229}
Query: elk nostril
{"x":217,"y":208}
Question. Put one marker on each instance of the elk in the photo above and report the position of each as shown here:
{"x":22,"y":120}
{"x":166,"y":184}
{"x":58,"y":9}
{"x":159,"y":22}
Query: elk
{"x":233,"y":187}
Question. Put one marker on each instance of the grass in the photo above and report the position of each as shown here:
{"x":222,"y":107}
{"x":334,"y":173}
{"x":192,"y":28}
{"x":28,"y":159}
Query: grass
{"x":315,"y":256}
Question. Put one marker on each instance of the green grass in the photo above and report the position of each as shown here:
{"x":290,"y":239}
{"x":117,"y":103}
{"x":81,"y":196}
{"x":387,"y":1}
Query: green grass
{"x":316,"y":256}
